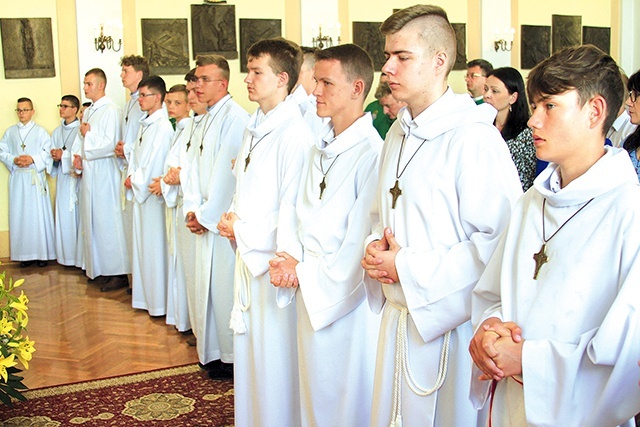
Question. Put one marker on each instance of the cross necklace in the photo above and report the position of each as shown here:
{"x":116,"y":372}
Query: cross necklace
{"x":22,"y":140}
{"x":323,"y":184}
{"x":69,"y":132}
{"x":541,"y":257}
{"x":206,"y":129}
{"x":251,"y":147}
{"x":395,"y":190}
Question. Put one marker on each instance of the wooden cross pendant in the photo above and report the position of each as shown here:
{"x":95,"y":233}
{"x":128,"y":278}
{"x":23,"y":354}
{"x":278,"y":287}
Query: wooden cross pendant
{"x":395,"y":193}
{"x":323,"y":185}
{"x":188,"y":145}
{"x":22,"y":146}
{"x":247,"y":161}
{"x":540,"y":258}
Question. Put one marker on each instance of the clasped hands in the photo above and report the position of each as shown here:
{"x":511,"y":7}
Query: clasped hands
{"x":379,"y":260}
{"x":119,"y":150}
{"x":225,"y":226}
{"x":56,"y":154}
{"x":496,"y":349}
{"x":282,"y":271}
{"x":23,"y":161}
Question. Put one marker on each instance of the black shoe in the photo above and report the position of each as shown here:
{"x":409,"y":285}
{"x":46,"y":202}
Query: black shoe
{"x":98,"y":280}
{"x":115,"y":282}
{"x":211,"y":365}
{"x":42,"y":263}
{"x":224,"y":371}
{"x":129,"y":291}
{"x":24,"y":264}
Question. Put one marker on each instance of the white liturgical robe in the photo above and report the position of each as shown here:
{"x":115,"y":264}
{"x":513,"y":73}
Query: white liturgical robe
{"x":267,"y":172}
{"x":105,"y":249}
{"x":337,"y":333}
{"x":67,"y":208}
{"x":30,"y":213}
{"x":149,"y":243}
{"x":580,"y":319}
{"x":208,"y":194}
{"x":177,"y":299}
{"x":458,"y":185}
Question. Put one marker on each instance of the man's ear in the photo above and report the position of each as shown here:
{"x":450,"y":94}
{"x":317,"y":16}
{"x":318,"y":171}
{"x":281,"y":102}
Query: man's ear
{"x":597,"y":111}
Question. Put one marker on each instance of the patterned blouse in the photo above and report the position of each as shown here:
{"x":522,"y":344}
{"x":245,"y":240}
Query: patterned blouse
{"x":635,"y":162}
{"x":523,"y":154}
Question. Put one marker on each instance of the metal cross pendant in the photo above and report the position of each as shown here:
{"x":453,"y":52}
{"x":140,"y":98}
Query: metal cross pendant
{"x":323,"y":185}
{"x":22,"y":146}
{"x":395,"y":193}
{"x":247,"y":161}
{"x":540,"y":258}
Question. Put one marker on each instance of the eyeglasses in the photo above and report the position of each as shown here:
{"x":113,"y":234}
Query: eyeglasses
{"x":206,"y":79}
{"x":26,"y":110}
{"x":633,"y":95}
{"x":64,"y":107}
{"x":144,"y":95}
{"x":474,"y":75}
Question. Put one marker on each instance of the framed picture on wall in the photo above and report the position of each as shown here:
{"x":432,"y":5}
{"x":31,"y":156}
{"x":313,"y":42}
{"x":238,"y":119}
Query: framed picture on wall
{"x":566,"y":31}
{"x":535,"y":45}
{"x":461,"y":43}
{"x":597,"y":36}
{"x":213,"y":30}
{"x":166,"y":45}
{"x":254,"y":30}
{"x":27,"y":48}
{"x":367,"y":35}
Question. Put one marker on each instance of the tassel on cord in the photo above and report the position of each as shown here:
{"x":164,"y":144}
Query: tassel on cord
{"x":242,"y":281}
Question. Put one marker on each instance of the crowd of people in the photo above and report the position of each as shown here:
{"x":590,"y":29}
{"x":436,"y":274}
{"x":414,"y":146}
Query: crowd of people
{"x":363,"y":266}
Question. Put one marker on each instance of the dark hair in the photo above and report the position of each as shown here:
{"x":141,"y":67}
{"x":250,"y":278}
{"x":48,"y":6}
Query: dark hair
{"x":24,"y":99}
{"x":98,"y":73}
{"x":75,"y":102}
{"x":484,"y":65}
{"x":519,"y":113}
{"x":86,"y":104}
{"x":355,"y":61}
{"x":585,"y":69}
{"x":285,"y":57}
{"x":154,"y":83}
{"x":633,"y":141}
{"x":138,"y":63}
{"x":191,"y":76}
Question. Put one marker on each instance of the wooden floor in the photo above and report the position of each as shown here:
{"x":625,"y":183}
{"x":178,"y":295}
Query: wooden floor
{"x":82,"y":334}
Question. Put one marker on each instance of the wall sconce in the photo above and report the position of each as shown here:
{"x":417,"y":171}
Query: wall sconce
{"x":321,"y":41}
{"x":103,"y":41}
{"x":504,"y":41}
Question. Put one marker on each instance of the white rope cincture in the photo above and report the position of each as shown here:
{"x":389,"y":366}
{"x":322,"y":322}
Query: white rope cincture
{"x":242,"y":282}
{"x":402,"y":368}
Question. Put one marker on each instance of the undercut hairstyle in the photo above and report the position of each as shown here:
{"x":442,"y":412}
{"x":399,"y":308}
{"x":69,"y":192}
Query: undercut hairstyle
{"x":98,"y":73}
{"x":383,"y":90}
{"x":73,"y":100}
{"x":217,"y":60}
{"x":356,"y":62}
{"x":633,"y":141}
{"x":436,"y":32}
{"x":484,"y":65}
{"x":191,"y":76}
{"x":25,"y":99}
{"x":179,"y":88}
{"x":309,"y":55}
{"x":519,"y":113}
{"x":138,"y":63}
{"x":154,"y":83}
{"x":284,"y":57}
{"x":585,"y":69}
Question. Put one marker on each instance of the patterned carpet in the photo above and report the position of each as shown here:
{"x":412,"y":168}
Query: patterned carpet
{"x":176,"y":397}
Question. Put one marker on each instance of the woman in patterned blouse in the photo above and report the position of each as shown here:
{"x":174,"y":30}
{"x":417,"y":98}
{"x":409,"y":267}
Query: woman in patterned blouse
{"x":504,"y":90}
{"x":632,"y":142}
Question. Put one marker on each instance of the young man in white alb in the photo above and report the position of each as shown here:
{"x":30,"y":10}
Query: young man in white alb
{"x":447,"y":185}
{"x":66,"y":208}
{"x":267,"y":171}
{"x":337,"y":333}
{"x":25,"y":151}
{"x":558,"y":307}
{"x":146,"y":161}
